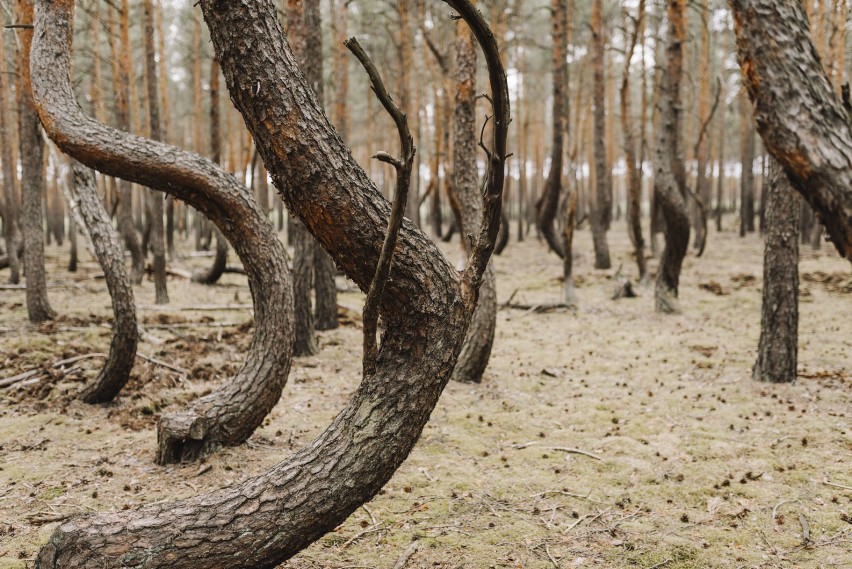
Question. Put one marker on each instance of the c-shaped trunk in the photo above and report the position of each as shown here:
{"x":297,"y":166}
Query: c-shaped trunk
{"x":427,"y":306}
{"x":231,"y":414}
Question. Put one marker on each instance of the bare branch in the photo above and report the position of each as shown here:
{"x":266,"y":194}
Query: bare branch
{"x":492,"y":192}
{"x":400,"y":199}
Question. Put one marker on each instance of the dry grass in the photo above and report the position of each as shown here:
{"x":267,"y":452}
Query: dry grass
{"x":700,"y":466}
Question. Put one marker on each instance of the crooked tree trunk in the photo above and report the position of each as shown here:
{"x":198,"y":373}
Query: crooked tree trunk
{"x":802,"y":122}
{"x":86,"y":207}
{"x":548,"y":205}
{"x":220,"y":261}
{"x":11,"y":224}
{"x":602,"y":203}
{"x":32,"y":179}
{"x":227,"y":416}
{"x":669,"y":182}
{"x":779,"y":324}
{"x":634,"y":170}
{"x":265,"y":520}
{"x":155,"y":199}
{"x":476,"y":351}
{"x":325,"y":288}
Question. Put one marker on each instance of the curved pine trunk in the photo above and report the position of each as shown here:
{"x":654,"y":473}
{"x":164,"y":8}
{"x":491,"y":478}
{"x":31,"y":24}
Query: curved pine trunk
{"x":802,"y":122}
{"x":669,"y":179}
{"x":86,"y":205}
{"x":231,"y":414}
{"x":548,"y":205}
{"x":267,"y":519}
{"x":476,"y":352}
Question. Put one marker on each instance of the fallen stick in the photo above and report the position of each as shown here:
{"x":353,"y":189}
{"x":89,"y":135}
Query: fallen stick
{"x":20,"y":377}
{"x":577,"y":451}
{"x":161,"y":363}
{"x":406,"y":555}
{"x":827,"y":482}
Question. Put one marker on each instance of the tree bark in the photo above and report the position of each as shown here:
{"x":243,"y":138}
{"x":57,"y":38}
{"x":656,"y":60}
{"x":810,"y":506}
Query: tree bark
{"x":11,"y":224}
{"x":325,"y":288}
{"x":265,"y":520}
{"x":476,"y":351}
{"x":227,"y":416}
{"x":305,"y":343}
{"x":669,"y":179}
{"x":747,"y":176}
{"x":802,"y":122}
{"x":86,"y":206}
{"x":155,"y":199}
{"x":32,"y":179}
{"x":634,"y":170}
{"x":549,"y":203}
{"x":777,"y":350}
{"x":601,"y":213}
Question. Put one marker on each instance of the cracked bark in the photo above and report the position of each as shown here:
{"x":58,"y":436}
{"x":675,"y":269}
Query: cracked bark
{"x":32,"y":180}
{"x":86,"y":205}
{"x":778,"y":346}
{"x":476,"y":351}
{"x":801,"y":120}
{"x":427,"y":305}
{"x":601,"y":211}
{"x":227,"y":416}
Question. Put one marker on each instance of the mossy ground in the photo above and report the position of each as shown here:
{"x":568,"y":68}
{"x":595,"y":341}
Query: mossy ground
{"x":695,"y":456}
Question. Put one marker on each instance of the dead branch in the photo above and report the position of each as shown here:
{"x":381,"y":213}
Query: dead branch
{"x":403,"y":167}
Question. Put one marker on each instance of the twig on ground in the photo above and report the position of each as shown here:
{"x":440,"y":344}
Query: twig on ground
{"x":161,"y":363}
{"x":406,"y":555}
{"x":550,"y":556}
{"x":828,"y":482}
{"x":577,"y":451}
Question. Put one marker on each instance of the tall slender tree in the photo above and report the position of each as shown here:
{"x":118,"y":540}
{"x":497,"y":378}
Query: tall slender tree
{"x":32,"y":177}
{"x":10,"y":176}
{"x":155,"y":198}
{"x":602,"y":203}
{"x":669,"y":170}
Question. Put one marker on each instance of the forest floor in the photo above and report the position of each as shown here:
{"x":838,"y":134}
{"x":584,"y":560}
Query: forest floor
{"x":683,"y":462}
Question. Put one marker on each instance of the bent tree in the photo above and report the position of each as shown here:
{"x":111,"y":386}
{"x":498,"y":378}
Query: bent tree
{"x":85,"y":204}
{"x":426,"y":309}
{"x":480,"y":334}
{"x":669,"y":171}
{"x":229,"y":415}
{"x":799,"y":117}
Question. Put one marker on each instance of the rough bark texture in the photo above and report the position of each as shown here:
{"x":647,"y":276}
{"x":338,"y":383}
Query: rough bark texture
{"x":669,"y":179}
{"x":601,"y":212}
{"x":802,"y":122}
{"x":634,"y":170}
{"x":105,"y":241}
{"x":549,"y":202}
{"x":305,"y":343}
{"x":155,"y":199}
{"x":569,"y":221}
{"x":779,"y":323}
{"x":325,"y":288}
{"x":480,"y":334}
{"x":265,"y":520}
{"x":11,"y":225}
{"x":231,"y":414}
{"x":32,"y":179}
